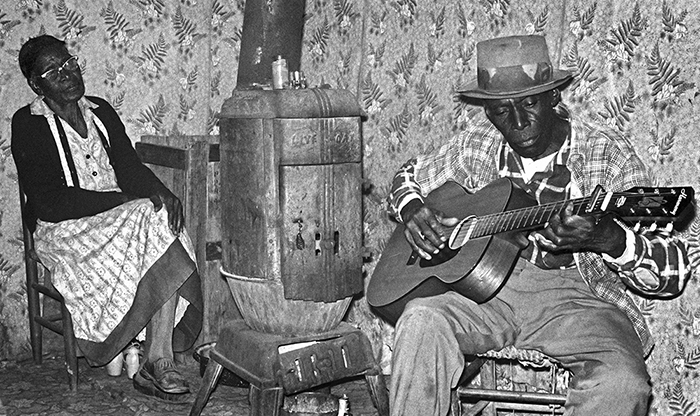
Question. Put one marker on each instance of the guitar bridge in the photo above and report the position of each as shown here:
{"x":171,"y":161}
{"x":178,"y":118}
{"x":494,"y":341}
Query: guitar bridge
{"x":412,"y":259}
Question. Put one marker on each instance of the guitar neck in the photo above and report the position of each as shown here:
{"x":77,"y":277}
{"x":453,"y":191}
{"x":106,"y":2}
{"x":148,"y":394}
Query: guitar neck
{"x":648,"y":206}
{"x":535,"y":216}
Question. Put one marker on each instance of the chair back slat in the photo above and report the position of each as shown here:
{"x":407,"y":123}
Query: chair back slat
{"x":31,"y":259}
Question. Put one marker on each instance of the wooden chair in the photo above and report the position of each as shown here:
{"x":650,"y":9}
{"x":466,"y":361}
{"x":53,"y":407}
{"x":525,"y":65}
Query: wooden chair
{"x":60,"y":323}
{"x":487,"y":399}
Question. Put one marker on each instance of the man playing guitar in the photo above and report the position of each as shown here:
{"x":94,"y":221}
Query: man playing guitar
{"x":565,"y":295}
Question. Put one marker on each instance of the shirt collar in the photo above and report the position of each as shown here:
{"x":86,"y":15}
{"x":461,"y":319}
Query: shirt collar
{"x":38,"y":107}
{"x":561,"y":156}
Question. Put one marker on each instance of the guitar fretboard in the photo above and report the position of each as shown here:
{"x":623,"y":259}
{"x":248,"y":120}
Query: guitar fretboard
{"x":651,"y":206}
{"x":530,"y":217}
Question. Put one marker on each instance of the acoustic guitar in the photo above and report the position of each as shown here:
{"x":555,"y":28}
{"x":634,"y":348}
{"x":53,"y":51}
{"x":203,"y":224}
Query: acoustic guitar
{"x":480,"y":252}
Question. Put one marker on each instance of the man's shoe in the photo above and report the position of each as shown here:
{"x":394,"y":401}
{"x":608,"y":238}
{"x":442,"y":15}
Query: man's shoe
{"x":149,"y":389}
{"x":164,"y":376}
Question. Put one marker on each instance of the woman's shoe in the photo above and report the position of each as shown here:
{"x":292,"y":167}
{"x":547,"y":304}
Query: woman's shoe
{"x":164,"y":376}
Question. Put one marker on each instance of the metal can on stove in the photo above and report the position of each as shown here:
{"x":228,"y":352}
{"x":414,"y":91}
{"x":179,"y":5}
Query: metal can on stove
{"x":280,"y":73}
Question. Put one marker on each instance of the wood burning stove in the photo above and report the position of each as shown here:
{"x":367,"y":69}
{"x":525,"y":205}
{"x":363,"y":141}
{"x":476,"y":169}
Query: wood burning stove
{"x":292,"y":245}
{"x":291,"y":215}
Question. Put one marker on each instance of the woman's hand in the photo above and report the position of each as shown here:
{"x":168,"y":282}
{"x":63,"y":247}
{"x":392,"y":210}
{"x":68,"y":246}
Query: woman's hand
{"x":425,"y":229}
{"x":173,"y":206}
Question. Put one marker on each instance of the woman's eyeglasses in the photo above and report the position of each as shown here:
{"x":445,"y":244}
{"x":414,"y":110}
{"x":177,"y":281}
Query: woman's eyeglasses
{"x":54,"y":74}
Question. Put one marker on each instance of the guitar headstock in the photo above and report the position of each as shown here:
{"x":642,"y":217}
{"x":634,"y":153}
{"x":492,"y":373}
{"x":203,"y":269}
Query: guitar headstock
{"x":657,"y":206}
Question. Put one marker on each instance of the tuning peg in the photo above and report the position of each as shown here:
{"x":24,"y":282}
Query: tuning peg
{"x":669,"y":227}
{"x":653,"y":227}
{"x":637,"y":227}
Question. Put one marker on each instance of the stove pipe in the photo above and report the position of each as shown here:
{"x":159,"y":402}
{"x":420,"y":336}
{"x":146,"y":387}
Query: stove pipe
{"x":271,"y":28}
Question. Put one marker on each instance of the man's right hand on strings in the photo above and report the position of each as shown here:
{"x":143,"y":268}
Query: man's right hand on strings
{"x":426,"y":229}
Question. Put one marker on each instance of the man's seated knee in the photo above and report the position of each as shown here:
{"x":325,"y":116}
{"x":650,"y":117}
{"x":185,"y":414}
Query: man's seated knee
{"x":419,"y":313}
{"x":615,"y":377}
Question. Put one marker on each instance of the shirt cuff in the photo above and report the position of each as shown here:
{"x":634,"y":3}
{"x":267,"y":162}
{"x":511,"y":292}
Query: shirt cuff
{"x":630,"y":249}
{"x":402,"y":204}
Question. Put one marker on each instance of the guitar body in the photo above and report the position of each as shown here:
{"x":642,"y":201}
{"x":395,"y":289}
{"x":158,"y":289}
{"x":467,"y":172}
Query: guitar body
{"x":477,"y":270}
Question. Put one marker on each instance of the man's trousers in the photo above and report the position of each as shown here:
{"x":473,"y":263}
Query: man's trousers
{"x":552,"y":311}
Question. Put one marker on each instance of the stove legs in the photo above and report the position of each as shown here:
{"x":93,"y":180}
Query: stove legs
{"x":267,"y":402}
{"x":378,"y":392}
{"x":257,"y":357}
{"x":211,"y":376}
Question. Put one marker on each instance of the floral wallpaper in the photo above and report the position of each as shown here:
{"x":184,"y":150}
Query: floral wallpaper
{"x":168,"y":65}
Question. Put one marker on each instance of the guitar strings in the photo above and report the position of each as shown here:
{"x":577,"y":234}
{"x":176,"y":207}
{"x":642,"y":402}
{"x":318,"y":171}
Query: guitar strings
{"x":524,"y":218}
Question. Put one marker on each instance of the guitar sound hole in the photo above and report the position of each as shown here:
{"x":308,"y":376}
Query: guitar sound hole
{"x":461,"y":233}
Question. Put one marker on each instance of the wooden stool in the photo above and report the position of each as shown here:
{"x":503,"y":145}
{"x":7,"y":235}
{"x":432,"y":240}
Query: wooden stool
{"x":277,"y":365}
{"x":488,"y":399}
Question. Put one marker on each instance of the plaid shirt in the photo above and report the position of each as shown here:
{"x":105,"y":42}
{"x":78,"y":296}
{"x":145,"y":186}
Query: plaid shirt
{"x":596,"y":156}
{"x":551,"y":184}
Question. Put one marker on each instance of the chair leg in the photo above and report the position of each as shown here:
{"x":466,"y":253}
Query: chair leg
{"x":35,"y":338}
{"x":487,"y":373}
{"x":456,"y":405}
{"x":488,"y":381}
{"x":36,"y":320}
{"x":70,"y":348}
{"x":34,"y":310}
{"x":473,"y":368}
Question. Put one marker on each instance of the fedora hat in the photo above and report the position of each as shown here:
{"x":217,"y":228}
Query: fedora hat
{"x":513,"y":67}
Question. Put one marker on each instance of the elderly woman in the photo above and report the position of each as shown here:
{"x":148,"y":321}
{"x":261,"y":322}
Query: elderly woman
{"x":108,"y":230}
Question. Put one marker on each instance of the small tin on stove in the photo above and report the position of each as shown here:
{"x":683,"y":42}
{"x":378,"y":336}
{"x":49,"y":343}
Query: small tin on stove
{"x":280,"y":73}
